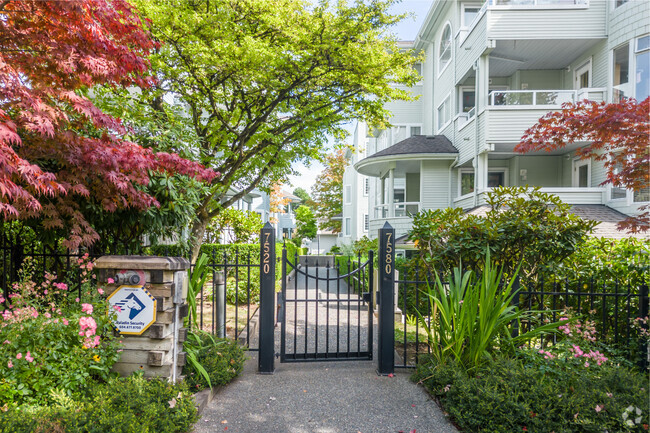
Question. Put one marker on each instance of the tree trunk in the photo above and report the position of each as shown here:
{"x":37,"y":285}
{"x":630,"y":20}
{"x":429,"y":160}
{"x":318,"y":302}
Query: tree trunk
{"x":198,"y":231}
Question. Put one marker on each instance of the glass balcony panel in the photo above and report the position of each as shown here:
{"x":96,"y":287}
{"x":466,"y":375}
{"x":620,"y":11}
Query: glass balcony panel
{"x":554,"y":97}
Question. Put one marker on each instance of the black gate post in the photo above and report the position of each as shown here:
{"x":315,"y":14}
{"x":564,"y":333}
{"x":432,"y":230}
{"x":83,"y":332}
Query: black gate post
{"x":386,"y":299}
{"x":267,"y":300}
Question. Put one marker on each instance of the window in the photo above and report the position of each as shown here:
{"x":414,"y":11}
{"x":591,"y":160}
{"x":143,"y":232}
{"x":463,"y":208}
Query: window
{"x":618,"y":3}
{"x":470,"y":12}
{"x":466,"y":182}
{"x":496,"y":177}
{"x":347,"y":193}
{"x":366,"y":186}
{"x":444,"y":49}
{"x":444,"y":113}
{"x":415,"y":130}
{"x":618,"y":192}
{"x":621,"y":72}
{"x":366,"y":222}
{"x":467,"y":99}
{"x":348,"y":226}
{"x":642,"y":67}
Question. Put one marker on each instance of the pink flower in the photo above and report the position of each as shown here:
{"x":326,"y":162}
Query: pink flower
{"x":28,"y":357}
{"x":117,"y":308}
{"x":100,"y":291}
{"x":34,"y":314}
{"x":65,"y":322}
{"x":87,"y":308}
{"x":48,"y":315}
{"x":10,"y":364}
{"x":110,"y":281}
{"x":599,"y":407}
{"x":76,"y":299}
{"x":45,"y":292}
{"x":19,"y":355}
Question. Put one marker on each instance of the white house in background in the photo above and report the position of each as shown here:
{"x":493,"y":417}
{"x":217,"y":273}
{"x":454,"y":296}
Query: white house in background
{"x":355,"y":219}
{"x":492,"y":69}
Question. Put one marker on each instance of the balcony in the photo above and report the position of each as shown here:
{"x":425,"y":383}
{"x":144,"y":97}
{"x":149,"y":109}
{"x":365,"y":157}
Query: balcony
{"x":397,"y":210}
{"x":511,"y":112}
{"x":569,"y":195}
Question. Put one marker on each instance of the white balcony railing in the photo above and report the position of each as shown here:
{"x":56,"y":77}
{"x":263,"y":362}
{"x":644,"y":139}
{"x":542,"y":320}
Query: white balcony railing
{"x":538,"y":3}
{"x":542,"y":98}
{"x":402,"y":209}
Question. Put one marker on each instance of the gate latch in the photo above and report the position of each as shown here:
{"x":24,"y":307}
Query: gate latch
{"x":366,"y":297}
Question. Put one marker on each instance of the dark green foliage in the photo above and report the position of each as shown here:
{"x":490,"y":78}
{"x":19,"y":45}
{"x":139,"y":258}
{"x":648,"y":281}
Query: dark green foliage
{"x":507,"y":395}
{"x":215,"y":252}
{"x":124,"y":405}
{"x":223,"y":359}
{"x":522,"y":225}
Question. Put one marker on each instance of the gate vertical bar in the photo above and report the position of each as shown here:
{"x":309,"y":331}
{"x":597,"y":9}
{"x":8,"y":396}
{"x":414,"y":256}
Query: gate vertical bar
{"x":386,"y":347}
{"x":283,"y":343}
{"x":267,"y":300}
{"x":370,"y":288}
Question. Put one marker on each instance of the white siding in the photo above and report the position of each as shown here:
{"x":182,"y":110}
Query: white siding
{"x":472,"y":47}
{"x":628,"y":21}
{"x":434,"y":186}
{"x":548,"y":23}
{"x":509,"y":125}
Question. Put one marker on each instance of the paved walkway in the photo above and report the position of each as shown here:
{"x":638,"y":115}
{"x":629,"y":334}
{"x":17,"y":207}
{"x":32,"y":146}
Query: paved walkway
{"x":322,"y":397}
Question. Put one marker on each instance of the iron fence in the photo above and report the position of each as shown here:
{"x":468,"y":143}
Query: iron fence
{"x":227,"y":304}
{"x":613,"y":307}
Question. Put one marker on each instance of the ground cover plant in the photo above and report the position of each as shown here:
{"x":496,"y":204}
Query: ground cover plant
{"x":220,"y":359}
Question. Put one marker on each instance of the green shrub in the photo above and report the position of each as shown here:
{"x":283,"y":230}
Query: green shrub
{"x":244,"y":290}
{"x":507,"y":395}
{"x":123,"y":405}
{"x":54,"y":341}
{"x":223,"y":360}
{"x":522,"y":225}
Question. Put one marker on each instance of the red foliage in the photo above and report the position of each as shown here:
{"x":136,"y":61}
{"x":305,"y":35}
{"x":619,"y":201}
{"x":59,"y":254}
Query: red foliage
{"x":616,"y":133}
{"x":55,"y":145}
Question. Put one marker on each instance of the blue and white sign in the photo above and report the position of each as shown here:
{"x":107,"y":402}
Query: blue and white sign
{"x":135,"y":307}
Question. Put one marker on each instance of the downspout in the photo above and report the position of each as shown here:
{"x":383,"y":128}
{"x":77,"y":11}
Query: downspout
{"x":476,"y":68}
{"x":451,"y":167}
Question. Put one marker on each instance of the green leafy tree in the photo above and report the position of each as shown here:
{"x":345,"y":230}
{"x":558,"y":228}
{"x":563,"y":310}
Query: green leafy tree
{"x":522,"y":225}
{"x":328,"y":192}
{"x":305,"y":199}
{"x":263,"y":83}
{"x":305,"y":223}
{"x":238,"y":226}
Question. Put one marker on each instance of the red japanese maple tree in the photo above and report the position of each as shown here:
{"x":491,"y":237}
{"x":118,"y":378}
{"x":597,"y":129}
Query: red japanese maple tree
{"x":55,"y":145}
{"x":616,"y":133}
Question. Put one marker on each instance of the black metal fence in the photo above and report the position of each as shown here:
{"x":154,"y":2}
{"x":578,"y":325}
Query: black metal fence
{"x":227,"y":304}
{"x":613,"y":307}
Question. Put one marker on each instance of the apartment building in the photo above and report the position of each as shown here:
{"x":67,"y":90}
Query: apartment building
{"x":355,"y":218}
{"x":491,"y":70}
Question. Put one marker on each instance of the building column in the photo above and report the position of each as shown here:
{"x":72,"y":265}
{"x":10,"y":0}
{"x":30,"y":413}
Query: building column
{"x":391,"y":193}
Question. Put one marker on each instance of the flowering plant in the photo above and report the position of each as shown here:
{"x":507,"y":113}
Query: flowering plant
{"x":52,"y":343}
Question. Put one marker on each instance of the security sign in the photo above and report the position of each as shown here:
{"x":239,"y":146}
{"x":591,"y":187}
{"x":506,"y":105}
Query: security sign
{"x":135,"y":307}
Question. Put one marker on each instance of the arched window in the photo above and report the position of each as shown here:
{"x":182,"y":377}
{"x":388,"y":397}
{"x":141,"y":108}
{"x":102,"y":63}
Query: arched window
{"x":444,"y":50}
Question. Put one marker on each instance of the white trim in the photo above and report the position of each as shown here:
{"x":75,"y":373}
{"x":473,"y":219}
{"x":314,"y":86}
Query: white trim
{"x":451,"y":48}
{"x":447,"y":99}
{"x":575,"y":170}
{"x":347,"y":194}
{"x":347,"y":226}
{"x":585,"y":67}
{"x":463,"y":6}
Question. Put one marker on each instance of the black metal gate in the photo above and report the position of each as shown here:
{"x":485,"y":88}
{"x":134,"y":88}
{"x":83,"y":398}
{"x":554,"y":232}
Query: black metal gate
{"x":326,"y":309}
